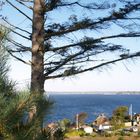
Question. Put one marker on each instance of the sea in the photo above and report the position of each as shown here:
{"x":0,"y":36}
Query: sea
{"x":68,"y":105}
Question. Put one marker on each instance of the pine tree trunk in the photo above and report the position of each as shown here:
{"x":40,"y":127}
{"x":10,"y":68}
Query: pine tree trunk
{"x":37,"y":68}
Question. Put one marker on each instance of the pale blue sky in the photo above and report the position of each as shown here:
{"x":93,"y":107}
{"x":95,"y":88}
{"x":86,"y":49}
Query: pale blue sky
{"x":114,"y":78}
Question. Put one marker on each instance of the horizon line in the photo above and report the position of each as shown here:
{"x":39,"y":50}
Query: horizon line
{"x":94,"y":91}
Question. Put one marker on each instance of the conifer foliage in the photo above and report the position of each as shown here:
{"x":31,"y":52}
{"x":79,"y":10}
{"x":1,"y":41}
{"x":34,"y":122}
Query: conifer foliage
{"x":21,"y":113}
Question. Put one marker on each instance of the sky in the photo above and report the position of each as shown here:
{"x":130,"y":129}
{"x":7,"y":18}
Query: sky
{"x":117,"y":78}
{"x":123,"y":76}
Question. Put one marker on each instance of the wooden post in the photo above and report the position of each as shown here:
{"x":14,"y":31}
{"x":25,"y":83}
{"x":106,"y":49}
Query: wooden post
{"x":77,"y":121}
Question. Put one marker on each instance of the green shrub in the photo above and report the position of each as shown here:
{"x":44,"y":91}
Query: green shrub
{"x":64,"y":124}
{"x":106,"y":134}
{"x":75,"y":133}
{"x":120,"y":138}
{"x":12,"y":121}
{"x":122,"y":133}
{"x":93,"y":135}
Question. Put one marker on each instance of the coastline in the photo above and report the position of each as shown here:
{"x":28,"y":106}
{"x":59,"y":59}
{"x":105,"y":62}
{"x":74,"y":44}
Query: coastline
{"x":94,"y":92}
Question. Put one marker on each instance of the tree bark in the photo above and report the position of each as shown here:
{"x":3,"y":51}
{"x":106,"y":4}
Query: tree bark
{"x":37,"y":68}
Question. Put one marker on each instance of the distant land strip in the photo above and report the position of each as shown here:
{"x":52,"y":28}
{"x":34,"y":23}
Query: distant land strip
{"x":96,"y":92}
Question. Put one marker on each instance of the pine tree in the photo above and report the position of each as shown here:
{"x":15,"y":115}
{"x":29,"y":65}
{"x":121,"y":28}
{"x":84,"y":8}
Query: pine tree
{"x":67,"y":44}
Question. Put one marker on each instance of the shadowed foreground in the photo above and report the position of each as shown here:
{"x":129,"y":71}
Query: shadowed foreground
{"x":104,"y":138}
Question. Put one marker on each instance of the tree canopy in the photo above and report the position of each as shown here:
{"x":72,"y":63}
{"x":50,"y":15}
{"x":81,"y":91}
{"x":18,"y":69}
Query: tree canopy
{"x":120,"y":115}
{"x":74,"y":36}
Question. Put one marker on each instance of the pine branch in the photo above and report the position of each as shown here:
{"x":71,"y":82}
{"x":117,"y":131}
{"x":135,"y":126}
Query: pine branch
{"x":16,"y":26}
{"x":28,"y":1}
{"x":65,"y":61}
{"x":74,"y":61}
{"x":82,"y":56}
{"x":25,"y":37}
{"x":137,"y":54}
{"x":95,"y":41}
{"x":89,"y":41}
{"x":21,"y":60}
{"x":92,"y":6}
{"x":88,"y":23}
{"x":123,"y":35}
{"x":20,"y":46}
{"x":51,"y":5}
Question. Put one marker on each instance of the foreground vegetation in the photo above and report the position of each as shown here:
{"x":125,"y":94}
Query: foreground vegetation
{"x":105,"y":138}
{"x":21,"y":113}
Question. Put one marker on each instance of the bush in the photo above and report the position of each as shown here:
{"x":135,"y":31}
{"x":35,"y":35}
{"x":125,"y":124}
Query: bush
{"x":64,"y":124}
{"x":21,"y":114}
{"x":119,"y":116}
{"x":93,"y":135}
{"x":75,"y":133}
{"x":6,"y":85}
{"x":120,"y":138}
{"x":122,"y":133}
{"x":106,"y":134}
{"x":17,"y":120}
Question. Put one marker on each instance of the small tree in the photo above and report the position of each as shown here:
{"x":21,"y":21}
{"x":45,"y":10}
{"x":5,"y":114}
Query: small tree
{"x":119,"y":115}
{"x":80,"y":119}
{"x":121,"y":112}
{"x":6,"y":85}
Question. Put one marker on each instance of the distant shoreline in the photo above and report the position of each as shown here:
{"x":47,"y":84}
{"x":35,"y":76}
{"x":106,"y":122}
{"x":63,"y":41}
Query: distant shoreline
{"x":96,"y":92}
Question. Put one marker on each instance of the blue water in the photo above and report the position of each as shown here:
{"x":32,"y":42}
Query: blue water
{"x":67,"y":106}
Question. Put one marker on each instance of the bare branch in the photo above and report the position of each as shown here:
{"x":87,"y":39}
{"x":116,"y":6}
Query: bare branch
{"x":28,"y":1}
{"x":21,"y":48}
{"x":123,"y":35}
{"x":92,"y":6}
{"x":20,"y":35}
{"x":28,"y":63}
{"x":25,"y":37}
{"x":74,"y":62}
{"x":16,"y":26}
{"x":18,"y":10}
{"x":22,"y":3}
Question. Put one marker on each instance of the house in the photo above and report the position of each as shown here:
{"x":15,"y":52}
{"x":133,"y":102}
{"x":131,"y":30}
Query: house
{"x":137,"y":118}
{"x":100,"y":120}
{"x":134,"y":129}
{"x":129,"y":124}
{"x":88,"y":129}
{"x":134,"y":122}
{"x":50,"y":128}
{"x":131,"y":129}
